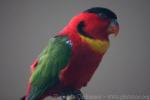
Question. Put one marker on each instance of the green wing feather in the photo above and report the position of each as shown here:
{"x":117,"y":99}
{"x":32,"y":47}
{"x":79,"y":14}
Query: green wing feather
{"x":50,"y":62}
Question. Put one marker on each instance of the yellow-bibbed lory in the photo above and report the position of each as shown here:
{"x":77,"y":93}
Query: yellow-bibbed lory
{"x":71,"y":57}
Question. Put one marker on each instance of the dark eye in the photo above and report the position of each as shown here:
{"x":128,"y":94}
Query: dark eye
{"x":102,"y":16}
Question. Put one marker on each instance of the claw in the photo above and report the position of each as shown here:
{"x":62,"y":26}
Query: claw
{"x":72,"y":95}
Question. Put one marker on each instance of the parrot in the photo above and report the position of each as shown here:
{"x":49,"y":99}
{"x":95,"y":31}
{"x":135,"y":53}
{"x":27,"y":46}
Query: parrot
{"x":72,"y":56}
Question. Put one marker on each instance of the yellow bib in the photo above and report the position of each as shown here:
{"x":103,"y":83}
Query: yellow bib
{"x":96,"y":45}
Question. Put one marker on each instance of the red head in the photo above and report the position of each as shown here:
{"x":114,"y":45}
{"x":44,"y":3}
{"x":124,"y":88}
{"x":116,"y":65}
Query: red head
{"x":96,"y":23}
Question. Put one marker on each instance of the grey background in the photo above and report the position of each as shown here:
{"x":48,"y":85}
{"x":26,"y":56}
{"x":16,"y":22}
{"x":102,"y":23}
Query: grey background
{"x":26,"y":26}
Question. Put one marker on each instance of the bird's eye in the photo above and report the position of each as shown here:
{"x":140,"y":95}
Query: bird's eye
{"x":102,"y":16}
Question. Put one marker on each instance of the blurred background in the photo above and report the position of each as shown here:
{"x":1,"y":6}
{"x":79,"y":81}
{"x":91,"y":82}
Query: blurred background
{"x":26,"y":26}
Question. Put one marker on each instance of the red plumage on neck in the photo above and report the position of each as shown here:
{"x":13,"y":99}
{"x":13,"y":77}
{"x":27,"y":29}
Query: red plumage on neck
{"x":84,"y":61}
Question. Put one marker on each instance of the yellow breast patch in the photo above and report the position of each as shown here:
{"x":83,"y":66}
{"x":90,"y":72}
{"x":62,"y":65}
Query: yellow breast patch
{"x":96,"y":45}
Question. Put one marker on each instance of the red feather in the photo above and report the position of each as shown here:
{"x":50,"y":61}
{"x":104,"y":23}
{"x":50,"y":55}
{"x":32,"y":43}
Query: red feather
{"x":82,"y":65}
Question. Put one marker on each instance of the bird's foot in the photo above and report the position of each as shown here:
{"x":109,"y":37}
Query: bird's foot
{"x":72,"y":94}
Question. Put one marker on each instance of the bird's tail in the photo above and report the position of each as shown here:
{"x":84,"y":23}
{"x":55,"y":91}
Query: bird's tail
{"x":23,"y":98}
{"x":27,"y":92}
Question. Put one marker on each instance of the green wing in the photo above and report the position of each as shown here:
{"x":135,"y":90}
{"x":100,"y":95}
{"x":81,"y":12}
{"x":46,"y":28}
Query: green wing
{"x":50,"y":62}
